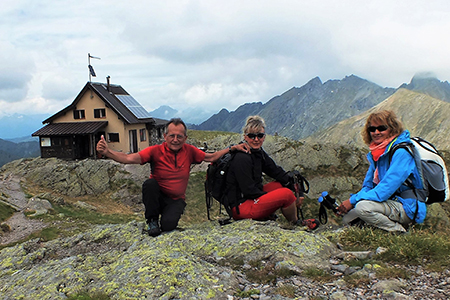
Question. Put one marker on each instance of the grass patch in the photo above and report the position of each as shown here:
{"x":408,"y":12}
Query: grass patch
{"x":195,"y":211}
{"x":263,"y":276}
{"x":247,"y":294}
{"x":68,"y":220}
{"x":416,"y":248}
{"x":267,"y":273}
{"x":46,"y":234}
{"x":356,"y":280}
{"x":207,"y":135}
{"x":391,"y":272}
{"x":317,"y":274}
{"x":89,"y":296}
{"x":29,"y":212}
{"x":127,"y":183}
{"x":6,"y":212}
{"x":92,"y":217}
{"x":286,"y":290}
{"x":258,"y":271}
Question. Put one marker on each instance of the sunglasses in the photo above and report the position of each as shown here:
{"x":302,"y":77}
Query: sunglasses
{"x":256,"y":135}
{"x":379,"y":128}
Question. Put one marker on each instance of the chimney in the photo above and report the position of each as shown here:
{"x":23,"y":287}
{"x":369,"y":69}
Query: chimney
{"x":107,"y":83}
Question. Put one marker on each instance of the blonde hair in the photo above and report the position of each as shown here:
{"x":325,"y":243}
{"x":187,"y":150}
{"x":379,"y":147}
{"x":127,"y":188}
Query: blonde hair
{"x":386,"y":117}
{"x":254,"y":122}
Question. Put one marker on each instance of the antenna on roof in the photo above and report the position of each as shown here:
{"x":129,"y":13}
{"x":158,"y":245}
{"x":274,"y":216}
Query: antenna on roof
{"x":91,"y":69}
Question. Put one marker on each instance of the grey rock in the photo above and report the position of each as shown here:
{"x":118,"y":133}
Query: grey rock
{"x":40,"y":206}
{"x":338,"y":296}
{"x":84,"y":205}
{"x":388,"y":285}
{"x":351,"y":255}
{"x":109,"y":256}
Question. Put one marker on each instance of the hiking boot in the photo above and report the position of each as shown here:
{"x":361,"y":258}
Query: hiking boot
{"x":311,"y":224}
{"x":358,"y":223}
{"x":272,"y":217}
{"x":153,"y":228}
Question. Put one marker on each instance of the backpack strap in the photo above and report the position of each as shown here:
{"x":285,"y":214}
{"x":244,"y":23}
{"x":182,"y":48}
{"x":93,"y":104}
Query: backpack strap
{"x":404,"y":145}
{"x":408,"y":147}
{"x":408,"y":182}
{"x":392,"y":144}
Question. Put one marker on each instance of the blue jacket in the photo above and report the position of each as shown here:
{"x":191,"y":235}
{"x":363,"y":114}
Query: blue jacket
{"x":392,"y":176}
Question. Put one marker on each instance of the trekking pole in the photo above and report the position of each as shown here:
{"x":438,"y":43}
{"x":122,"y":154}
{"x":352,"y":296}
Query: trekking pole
{"x":208,"y":199}
{"x":299,"y":188}
{"x":326,"y":202}
{"x":300,"y":213}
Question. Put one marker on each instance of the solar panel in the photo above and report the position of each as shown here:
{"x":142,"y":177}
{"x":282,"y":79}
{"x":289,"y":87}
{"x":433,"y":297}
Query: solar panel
{"x":134,"y":106}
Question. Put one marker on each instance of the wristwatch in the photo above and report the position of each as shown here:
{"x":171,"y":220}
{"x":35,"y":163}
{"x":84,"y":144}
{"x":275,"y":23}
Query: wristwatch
{"x":229,"y":149}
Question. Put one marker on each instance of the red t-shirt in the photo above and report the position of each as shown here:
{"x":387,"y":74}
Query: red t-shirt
{"x":171,"y":169}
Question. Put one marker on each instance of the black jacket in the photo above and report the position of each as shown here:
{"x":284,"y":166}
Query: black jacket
{"x":244,"y":179}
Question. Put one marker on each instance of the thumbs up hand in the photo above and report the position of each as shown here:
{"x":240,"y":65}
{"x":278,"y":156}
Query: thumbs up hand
{"x":102,"y":146}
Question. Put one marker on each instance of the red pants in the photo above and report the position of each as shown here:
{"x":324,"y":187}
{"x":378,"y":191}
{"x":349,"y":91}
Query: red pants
{"x":277,"y":196}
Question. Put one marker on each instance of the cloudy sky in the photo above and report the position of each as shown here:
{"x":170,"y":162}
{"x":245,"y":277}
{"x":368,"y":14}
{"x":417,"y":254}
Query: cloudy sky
{"x":211,"y":54}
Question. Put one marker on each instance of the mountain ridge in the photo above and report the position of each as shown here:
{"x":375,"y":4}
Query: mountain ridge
{"x":421,"y":114}
{"x":10,"y":151}
{"x":301,"y":111}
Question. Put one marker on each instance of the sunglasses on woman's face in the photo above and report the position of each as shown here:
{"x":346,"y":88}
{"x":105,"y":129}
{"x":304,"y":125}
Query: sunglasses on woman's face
{"x":256,"y":135}
{"x":379,"y":128}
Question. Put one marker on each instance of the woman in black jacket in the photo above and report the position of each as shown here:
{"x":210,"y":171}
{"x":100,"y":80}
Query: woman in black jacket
{"x":252,"y":199}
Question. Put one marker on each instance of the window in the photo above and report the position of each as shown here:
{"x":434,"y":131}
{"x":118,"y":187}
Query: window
{"x":78,"y":114}
{"x":143,"y":135}
{"x":113,"y":137}
{"x":56,"y":141}
{"x":99,"y":113}
{"x":45,"y":142}
{"x":60,"y":141}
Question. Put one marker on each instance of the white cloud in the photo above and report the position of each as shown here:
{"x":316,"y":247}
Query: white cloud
{"x":211,"y":54}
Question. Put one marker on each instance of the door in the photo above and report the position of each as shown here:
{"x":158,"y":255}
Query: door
{"x":133,"y":141}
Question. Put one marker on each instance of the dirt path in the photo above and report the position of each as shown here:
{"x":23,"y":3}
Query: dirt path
{"x":20,"y":225}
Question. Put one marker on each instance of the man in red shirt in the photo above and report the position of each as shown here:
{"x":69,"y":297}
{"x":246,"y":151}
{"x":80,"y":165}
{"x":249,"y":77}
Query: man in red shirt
{"x":164,"y":192}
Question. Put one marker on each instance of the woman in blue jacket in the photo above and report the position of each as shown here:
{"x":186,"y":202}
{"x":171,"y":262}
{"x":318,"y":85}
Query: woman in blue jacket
{"x":378,"y":202}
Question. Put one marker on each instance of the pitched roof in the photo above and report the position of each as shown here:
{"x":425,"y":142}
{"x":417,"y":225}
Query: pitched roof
{"x":73,"y":128}
{"x":116,"y":98}
{"x":160,"y":122}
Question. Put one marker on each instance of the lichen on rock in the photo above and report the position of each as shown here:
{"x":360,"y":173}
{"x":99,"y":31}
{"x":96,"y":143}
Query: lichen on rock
{"x":118,"y":260}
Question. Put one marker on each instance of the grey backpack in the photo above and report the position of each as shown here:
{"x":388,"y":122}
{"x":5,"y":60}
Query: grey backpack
{"x":432,"y":171}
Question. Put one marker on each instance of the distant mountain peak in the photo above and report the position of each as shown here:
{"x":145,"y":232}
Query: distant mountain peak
{"x":353,"y":77}
{"x":314,"y":82}
{"x":301,"y":111}
{"x":163,"y":111}
{"x":424,"y":76}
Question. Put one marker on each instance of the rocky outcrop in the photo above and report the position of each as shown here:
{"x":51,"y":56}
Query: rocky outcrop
{"x":243,"y":260}
{"x":71,"y":178}
{"x":338,"y":168}
{"x":119,"y":261}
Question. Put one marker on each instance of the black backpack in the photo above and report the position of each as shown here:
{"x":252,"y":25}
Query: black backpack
{"x":215,"y":185}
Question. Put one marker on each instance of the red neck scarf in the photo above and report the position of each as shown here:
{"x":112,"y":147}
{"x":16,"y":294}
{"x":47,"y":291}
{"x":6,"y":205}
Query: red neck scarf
{"x":377,"y":150}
